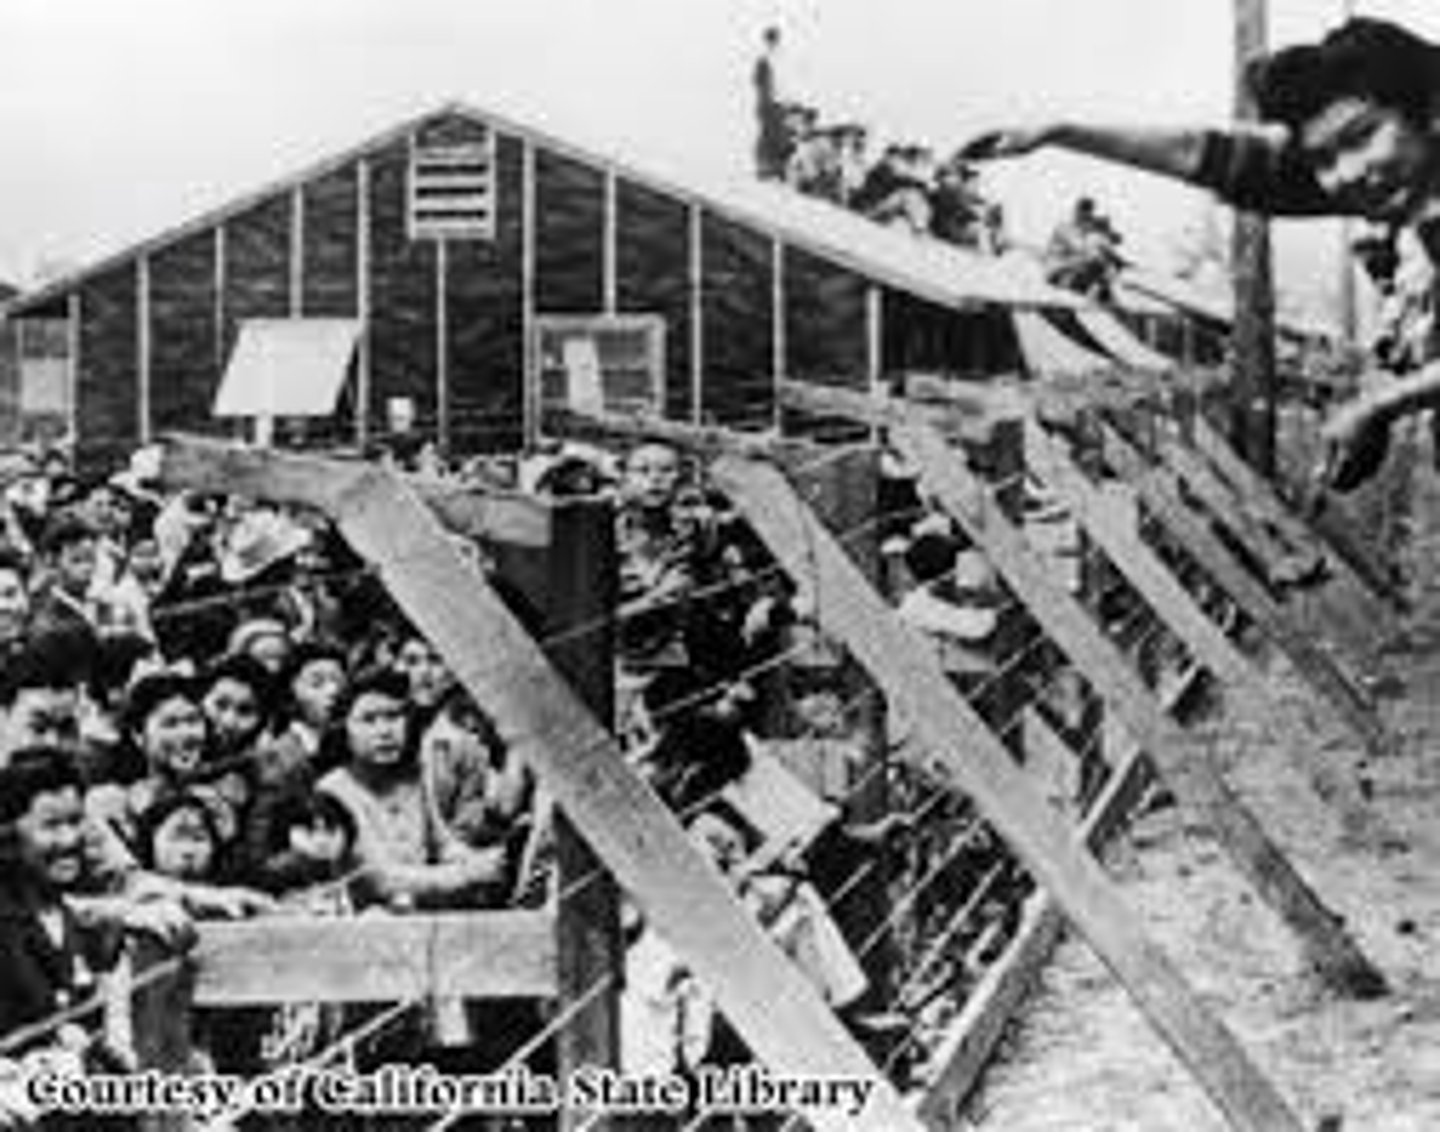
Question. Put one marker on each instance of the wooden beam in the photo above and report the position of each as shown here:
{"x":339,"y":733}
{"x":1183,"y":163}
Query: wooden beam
{"x":973,"y":1036}
{"x":297,"y":252}
{"x":1184,"y":763}
{"x":609,"y":245}
{"x":234,"y":469}
{"x":161,"y":1024}
{"x":442,"y":343}
{"x":687,"y":437}
{"x":143,"y":348}
{"x":75,"y":313}
{"x":217,"y":312}
{"x":875,"y":338}
{"x":779,"y":360}
{"x":1161,"y":494}
{"x":1271,"y":551}
{"x":1242,"y":682}
{"x":541,"y":721}
{"x":496,"y":954}
{"x":364,"y":391}
{"x":1356,"y":621}
{"x":696,"y":286}
{"x":1136,"y":562}
{"x":972,"y":421}
{"x":1254,"y":384}
{"x":963,"y":753}
{"x":530,"y":371}
{"x":1369,"y":575}
{"x":580,"y":600}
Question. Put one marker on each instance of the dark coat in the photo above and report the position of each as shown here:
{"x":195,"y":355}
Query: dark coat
{"x":37,"y":977}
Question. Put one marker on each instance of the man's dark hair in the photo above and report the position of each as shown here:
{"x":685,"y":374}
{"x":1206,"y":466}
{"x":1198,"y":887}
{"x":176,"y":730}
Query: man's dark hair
{"x":58,"y":659}
{"x":13,"y":561}
{"x":1362,"y":58}
{"x":33,"y":771}
{"x":65,"y":529}
{"x":242,"y":669}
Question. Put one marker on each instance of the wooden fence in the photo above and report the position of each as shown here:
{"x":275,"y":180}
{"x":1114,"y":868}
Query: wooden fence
{"x":1195,"y":571}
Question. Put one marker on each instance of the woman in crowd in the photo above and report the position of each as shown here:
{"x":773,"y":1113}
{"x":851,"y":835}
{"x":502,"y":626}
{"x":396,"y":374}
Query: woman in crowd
{"x":409,"y":860}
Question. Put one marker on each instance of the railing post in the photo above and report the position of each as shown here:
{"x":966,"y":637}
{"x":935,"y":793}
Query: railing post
{"x":161,"y":1020}
{"x":844,"y":493}
{"x":581,"y":609}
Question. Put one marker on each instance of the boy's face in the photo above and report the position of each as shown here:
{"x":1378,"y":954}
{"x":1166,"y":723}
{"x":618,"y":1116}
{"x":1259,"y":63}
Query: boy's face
{"x":75,"y":565}
{"x":40,"y":717}
{"x":109,"y":511}
{"x":50,"y":837}
{"x":652,"y":475}
{"x":1371,"y":159}
{"x":316,"y":687}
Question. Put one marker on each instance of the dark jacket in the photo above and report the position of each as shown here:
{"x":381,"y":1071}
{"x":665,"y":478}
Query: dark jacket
{"x":38,"y":977}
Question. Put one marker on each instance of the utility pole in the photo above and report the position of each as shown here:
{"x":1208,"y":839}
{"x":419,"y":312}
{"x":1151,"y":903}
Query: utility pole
{"x":1349,"y":307}
{"x":1252,"y":375}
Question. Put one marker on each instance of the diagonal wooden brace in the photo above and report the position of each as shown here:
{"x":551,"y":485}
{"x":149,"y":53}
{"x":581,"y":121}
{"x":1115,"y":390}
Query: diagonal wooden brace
{"x":961,"y":750}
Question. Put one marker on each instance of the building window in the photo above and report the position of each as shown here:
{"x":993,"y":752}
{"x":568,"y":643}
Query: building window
{"x":45,"y":380}
{"x":452,"y":181}
{"x":604,"y":363}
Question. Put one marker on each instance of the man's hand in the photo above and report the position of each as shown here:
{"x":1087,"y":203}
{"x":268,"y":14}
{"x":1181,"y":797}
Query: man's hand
{"x":1356,"y":440}
{"x":224,"y":902}
{"x":1013,"y":141}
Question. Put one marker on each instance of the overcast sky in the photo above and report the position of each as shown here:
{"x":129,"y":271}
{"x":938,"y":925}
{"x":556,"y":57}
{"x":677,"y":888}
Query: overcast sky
{"x":120,"y":118}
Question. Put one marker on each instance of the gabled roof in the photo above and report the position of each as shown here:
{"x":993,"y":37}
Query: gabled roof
{"x":928,"y":269}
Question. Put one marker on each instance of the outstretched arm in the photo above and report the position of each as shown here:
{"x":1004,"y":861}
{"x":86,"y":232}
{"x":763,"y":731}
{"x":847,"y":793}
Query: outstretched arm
{"x":1249,"y":165}
{"x":1176,"y":152}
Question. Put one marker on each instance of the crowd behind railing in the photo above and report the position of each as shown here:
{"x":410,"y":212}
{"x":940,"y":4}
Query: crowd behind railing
{"x":213,"y":710}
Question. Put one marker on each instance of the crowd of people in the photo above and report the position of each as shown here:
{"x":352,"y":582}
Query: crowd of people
{"x":210,"y":709}
{"x":910,"y":188}
{"x":907,"y":186}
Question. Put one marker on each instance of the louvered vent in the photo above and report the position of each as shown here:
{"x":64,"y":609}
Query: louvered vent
{"x":452,"y":181}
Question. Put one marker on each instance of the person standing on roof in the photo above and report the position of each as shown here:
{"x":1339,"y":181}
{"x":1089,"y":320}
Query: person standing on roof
{"x":772,"y":147}
{"x":1082,"y":254}
{"x":1349,"y":126}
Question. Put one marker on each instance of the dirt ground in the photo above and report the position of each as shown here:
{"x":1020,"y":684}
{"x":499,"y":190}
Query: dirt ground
{"x":1083,"y":1059}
